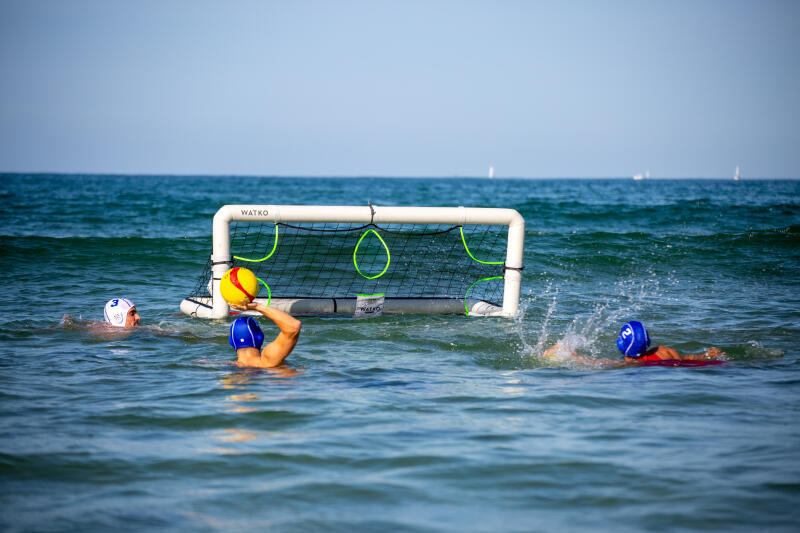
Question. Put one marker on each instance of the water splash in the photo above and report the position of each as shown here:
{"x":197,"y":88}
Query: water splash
{"x":520,"y":322}
{"x":591,"y":335}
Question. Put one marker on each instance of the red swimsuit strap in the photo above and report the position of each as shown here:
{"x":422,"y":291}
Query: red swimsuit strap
{"x":650,"y":357}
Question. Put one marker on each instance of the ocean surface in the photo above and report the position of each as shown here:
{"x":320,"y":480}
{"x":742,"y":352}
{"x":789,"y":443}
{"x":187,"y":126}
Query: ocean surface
{"x":404,"y":422}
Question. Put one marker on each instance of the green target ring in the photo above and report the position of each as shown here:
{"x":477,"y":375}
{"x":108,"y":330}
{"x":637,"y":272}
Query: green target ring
{"x":269,"y":292}
{"x":464,"y":240}
{"x":388,"y":255}
{"x":274,"y":247}
{"x":466,"y":308}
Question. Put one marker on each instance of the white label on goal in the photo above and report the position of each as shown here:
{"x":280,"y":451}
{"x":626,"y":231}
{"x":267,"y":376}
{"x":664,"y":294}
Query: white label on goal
{"x":369,"y":305}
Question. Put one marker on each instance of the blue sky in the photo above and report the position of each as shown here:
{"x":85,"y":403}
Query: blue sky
{"x":306,"y":88}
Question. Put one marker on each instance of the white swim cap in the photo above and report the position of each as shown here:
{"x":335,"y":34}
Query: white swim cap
{"x":116,"y":311}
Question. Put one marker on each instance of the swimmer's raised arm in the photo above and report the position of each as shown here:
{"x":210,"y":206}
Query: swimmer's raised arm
{"x":274,"y":353}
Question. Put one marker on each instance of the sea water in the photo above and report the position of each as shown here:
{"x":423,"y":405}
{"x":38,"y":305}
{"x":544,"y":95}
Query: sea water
{"x":412,"y":422}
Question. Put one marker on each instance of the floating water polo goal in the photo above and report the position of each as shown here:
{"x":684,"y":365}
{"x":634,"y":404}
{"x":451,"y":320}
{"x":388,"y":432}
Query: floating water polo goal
{"x":319,"y":259}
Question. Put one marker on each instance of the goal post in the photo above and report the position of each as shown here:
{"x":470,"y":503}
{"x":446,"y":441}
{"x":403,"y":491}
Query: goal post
{"x":318,"y":259}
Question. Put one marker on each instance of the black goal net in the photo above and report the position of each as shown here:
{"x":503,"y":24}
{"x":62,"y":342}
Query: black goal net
{"x":343,"y":260}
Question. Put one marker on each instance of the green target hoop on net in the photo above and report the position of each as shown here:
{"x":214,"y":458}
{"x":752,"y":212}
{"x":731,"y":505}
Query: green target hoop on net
{"x":466,"y":307}
{"x":464,"y":240}
{"x":274,"y":247}
{"x":385,"y":247}
{"x":269,"y":291}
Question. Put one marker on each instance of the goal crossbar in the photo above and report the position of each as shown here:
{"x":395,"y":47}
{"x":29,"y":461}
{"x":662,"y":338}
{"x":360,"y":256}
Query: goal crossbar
{"x":380,"y":220}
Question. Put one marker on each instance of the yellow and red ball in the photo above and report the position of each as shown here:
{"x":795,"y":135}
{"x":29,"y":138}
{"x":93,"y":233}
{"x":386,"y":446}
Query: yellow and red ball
{"x":239,"y":286}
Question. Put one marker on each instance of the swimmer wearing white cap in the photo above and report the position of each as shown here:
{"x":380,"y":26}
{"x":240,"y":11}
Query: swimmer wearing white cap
{"x":121,"y":313}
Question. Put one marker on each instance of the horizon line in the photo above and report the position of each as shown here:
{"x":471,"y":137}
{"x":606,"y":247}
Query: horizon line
{"x":368,"y":176}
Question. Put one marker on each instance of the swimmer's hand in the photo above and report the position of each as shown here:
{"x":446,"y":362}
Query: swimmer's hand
{"x":249,"y":306}
{"x":550,"y":353}
{"x":714,"y":353}
{"x":558,"y":352}
{"x":561,"y":354}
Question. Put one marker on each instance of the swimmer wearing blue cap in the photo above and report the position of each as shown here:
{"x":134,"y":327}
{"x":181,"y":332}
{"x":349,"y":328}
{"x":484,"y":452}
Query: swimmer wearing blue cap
{"x":634,"y":344}
{"x":246,"y":337}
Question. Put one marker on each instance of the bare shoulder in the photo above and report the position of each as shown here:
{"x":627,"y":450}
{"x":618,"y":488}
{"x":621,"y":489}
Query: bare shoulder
{"x":105,"y":331}
{"x":665,"y":352}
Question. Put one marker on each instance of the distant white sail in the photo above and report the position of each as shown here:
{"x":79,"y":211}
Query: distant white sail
{"x":736,"y":175}
{"x":491,"y":172}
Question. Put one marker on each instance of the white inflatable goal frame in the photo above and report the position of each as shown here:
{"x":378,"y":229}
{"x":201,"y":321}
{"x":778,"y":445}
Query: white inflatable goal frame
{"x":221,"y":254}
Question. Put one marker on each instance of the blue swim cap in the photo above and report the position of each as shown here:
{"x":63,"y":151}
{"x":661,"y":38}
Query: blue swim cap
{"x":633,"y":339}
{"x":245,"y":333}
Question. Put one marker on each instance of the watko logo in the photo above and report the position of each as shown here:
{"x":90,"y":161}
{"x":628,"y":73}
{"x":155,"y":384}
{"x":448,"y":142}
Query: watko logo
{"x":255,"y":212}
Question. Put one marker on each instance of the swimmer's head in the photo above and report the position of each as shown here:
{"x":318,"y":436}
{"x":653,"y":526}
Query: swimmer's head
{"x":633,"y":339}
{"x":245,"y":333}
{"x":121,"y":313}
